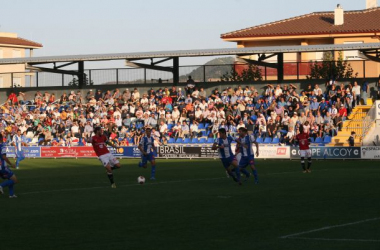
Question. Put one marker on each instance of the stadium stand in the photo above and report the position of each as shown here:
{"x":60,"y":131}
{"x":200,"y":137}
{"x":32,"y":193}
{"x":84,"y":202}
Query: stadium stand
{"x":186,"y":115}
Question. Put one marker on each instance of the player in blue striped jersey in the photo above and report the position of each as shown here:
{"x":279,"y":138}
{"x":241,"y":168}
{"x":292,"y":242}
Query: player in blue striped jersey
{"x":5,"y":172}
{"x":223,"y":143}
{"x":146,"y":148}
{"x":18,"y":144}
{"x":245,"y":142}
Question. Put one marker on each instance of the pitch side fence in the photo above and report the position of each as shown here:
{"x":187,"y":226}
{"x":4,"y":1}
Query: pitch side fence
{"x":201,"y":152}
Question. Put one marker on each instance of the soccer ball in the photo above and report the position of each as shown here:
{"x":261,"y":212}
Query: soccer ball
{"x":141,"y":179}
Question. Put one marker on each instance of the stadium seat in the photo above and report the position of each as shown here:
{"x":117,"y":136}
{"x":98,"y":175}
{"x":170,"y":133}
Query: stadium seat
{"x":254,"y":118}
{"x":171,"y":140}
{"x":312,"y":139}
{"x":187,"y":140}
{"x":201,"y":126}
{"x":318,"y":140}
{"x":204,"y":133}
{"x":202,"y":140}
{"x":207,"y":125}
{"x":327,"y":139}
{"x":276,"y":140}
{"x":267,"y":140}
{"x":170,"y":126}
{"x":179,"y":140}
{"x":194,"y":140}
{"x":259,"y":140}
{"x":210,"y":140}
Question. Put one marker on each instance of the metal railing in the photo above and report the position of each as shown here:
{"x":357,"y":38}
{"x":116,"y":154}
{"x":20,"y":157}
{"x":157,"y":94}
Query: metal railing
{"x":369,"y":120}
{"x":199,"y":73}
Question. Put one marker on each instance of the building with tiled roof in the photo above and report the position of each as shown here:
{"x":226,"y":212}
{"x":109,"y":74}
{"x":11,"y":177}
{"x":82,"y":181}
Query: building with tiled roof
{"x":329,"y":27}
{"x":12,"y":46}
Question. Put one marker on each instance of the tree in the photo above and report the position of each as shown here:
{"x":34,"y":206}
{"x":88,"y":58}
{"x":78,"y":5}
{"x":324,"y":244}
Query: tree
{"x":75,"y":82}
{"x":330,"y":69}
{"x":250,"y":74}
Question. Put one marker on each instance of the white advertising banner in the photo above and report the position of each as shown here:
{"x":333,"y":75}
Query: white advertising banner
{"x":370,"y":152}
{"x":377,"y":110}
{"x":270,"y":152}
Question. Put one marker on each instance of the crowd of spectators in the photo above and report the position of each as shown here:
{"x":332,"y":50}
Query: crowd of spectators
{"x":175,"y":112}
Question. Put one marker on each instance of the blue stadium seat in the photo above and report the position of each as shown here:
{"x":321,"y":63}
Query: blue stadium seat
{"x":267,"y":140}
{"x":179,"y":140}
{"x":204,"y":133}
{"x":170,"y":126}
{"x":194,"y":140}
{"x":312,"y":139}
{"x":259,"y":140}
{"x":318,"y":140}
{"x":171,"y":140}
{"x":207,"y":125}
{"x":276,"y":140}
{"x":254,"y":118}
{"x":210,"y":140}
{"x":327,"y":139}
{"x":202,"y":140}
{"x":201,"y":126}
{"x":187,"y":140}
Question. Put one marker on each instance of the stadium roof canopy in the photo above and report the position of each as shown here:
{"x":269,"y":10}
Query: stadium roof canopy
{"x":369,"y":51}
{"x":192,"y":53}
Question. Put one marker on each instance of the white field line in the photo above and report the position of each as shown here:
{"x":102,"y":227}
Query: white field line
{"x":326,"y":239}
{"x":132,"y":185}
{"x":329,"y":227}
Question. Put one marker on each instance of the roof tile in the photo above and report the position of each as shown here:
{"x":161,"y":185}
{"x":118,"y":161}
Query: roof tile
{"x":19,"y":41}
{"x":360,"y":21}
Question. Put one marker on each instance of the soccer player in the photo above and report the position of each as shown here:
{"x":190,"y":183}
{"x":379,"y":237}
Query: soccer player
{"x":99,"y":142}
{"x":245,"y":142}
{"x":5,"y":172}
{"x":303,"y":142}
{"x":223,"y":143}
{"x":18,"y":143}
{"x":146,"y":148}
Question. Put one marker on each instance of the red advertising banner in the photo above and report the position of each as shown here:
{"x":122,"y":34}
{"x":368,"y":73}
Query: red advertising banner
{"x":67,"y":152}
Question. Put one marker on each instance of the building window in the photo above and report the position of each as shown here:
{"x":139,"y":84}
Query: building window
{"x":352,"y":54}
{"x":16,"y":53}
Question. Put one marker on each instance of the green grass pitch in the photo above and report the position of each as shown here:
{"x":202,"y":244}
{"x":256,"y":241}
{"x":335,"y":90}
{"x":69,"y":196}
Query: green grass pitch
{"x":69,"y":204}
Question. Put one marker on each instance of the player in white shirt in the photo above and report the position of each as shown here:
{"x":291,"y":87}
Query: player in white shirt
{"x":18,"y":144}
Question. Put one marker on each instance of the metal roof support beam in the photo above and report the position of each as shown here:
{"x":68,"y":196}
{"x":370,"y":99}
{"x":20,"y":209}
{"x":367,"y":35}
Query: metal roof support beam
{"x":175,"y":71}
{"x":366,"y":55}
{"x":58,"y":71}
{"x":81,"y":75}
{"x":280,"y":67}
{"x":263,"y":57}
{"x":64,"y":65}
{"x":161,"y":61}
{"x":146,"y":66}
{"x":254,"y":62}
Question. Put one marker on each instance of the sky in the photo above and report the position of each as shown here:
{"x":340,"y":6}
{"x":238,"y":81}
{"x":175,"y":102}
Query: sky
{"x":114,"y":26}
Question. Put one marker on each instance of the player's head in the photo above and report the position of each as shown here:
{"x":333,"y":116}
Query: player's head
{"x":222,"y":133}
{"x":242,"y":131}
{"x":301,"y":129}
{"x":98,"y":131}
{"x":18,"y":132}
{"x":148,"y":131}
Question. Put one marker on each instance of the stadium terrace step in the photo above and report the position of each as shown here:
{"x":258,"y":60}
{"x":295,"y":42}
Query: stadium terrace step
{"x":354,"y":123}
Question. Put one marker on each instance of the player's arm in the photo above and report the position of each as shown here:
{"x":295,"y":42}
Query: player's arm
{"x":140,"y":147}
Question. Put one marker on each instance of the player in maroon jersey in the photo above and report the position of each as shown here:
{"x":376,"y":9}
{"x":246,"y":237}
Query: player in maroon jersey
{"x":303,"y":142}
{"x":99,"y":142}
